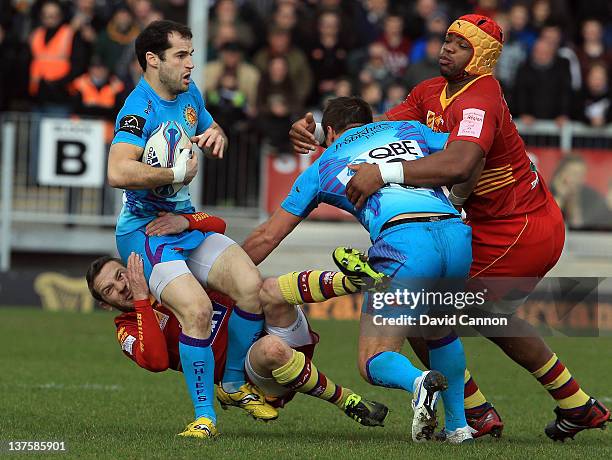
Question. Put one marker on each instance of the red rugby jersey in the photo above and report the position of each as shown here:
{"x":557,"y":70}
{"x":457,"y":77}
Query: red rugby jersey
{"x":509,"y":184}
{"x":149,"y":336}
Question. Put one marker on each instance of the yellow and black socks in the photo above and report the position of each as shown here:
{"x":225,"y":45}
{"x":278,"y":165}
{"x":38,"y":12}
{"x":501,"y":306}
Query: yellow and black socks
{"x":301,"y":375}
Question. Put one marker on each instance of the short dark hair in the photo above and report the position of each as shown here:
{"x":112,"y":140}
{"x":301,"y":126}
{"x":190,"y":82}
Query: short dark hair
{"x":94,"y":270}
{"x":344,"y":111}
{"x":154,"y":38}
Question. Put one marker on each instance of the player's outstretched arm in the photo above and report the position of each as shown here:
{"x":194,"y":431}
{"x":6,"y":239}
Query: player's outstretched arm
{"x":262,"y":241}
{"x":170,"y":224}
{"x":125,"y":170}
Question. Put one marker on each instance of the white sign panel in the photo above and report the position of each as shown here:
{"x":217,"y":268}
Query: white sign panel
{"x":71,"y":152}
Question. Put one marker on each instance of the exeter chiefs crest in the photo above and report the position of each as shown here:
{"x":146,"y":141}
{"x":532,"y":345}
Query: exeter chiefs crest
{"x":190,"y":115}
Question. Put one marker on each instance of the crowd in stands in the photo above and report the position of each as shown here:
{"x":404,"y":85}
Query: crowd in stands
{"x":270,"y":60}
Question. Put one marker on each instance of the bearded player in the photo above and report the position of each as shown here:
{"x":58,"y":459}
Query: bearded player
{"x":166,"y":93}
{"x":517,"y":228}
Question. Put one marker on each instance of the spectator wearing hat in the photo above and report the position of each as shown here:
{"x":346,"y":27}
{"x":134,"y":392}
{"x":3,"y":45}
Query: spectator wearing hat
{"x":120,"y":33}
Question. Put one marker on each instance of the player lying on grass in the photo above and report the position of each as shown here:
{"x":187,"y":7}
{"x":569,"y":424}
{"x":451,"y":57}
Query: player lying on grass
{"x":418,"y":239}
{"x":278,"y":363}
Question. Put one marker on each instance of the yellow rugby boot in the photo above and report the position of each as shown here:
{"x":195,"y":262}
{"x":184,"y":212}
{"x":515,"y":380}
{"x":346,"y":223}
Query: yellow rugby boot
{"x":354,"y":264}
{"x":249,"y":398}
{"x":200,"y":428}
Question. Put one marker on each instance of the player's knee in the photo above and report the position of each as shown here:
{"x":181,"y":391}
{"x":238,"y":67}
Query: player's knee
{"x":268,"y":294}
{"x":247,"y":288}
{"x":275,"y":351}
{"x":198,"y":314}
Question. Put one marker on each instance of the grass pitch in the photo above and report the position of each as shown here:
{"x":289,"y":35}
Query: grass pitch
{"x":63,"y":378}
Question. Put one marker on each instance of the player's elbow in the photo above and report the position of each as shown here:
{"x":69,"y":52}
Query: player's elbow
{"x":460,"y":173}
{"x":114,"y":178}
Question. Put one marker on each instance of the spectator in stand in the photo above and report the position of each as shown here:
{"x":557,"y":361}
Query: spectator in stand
{"x":120,"y":33}
{"x":513,"y":56}
{"x":4,"y":68}
{"x":583,"y":207}
{"x":543,"y":86}
{"x":328,"y":55}
{"x":277,"y":104}
{"x":422,"y":11}
{"x":226,"y":102}
{"x":427,"y":67}
{"x":226,"y":13}
{"x":370,"y":24}
{"x":487,"y":8}
{"x":554,"y":34}
{"x":226,"y":33}
{"x":56,"y":59}
{"x":397,"y":45}
{"x":344,"y":87}
{"x":436,"y":25}
{"x":87,"y":21}
{"x":376,"y":66}
{"x":593,"y":48}
{"x":144,"y":12}
{"x":98,"y":93}
{"x":595,"y":103}
{"x":231,"y":66}
{"x":545,"y":12}
{"x":175,"y":10}
{"x":395,"y":94}
{"x":520,"y":30}
{"x":279,"y":45}
{"x":372,"y":93}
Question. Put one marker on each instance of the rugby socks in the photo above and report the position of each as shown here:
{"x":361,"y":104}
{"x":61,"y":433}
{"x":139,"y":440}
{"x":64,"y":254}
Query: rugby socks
{"x":392,"y":370}
{"x":558,"y":381}
{"x":473,"y":399}
{"x":243,"y":329}
{"x":314,"y":286}
{"x":198,"y":363}
{"x":301,"y":375}
{"x":446,"y":355}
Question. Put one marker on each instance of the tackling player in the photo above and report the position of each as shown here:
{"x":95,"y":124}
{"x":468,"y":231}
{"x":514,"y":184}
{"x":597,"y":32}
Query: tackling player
{"x":517,"y":228}
{"x":166,"y":92}
{"x":279,"y":364}
{"x":433,"y":226}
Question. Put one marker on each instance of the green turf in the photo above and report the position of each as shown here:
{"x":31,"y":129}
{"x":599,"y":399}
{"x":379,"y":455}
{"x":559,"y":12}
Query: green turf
{"x":63,"y":377}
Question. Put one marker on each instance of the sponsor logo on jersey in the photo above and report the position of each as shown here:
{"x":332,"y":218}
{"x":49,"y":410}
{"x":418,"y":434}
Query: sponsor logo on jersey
{"x":190,"y":115}
{"x":434,"y":121}
{"x":132,"y":124}
{"x":471,"y":124}
{"x":363,"y":133}
{"x":128,"y":344}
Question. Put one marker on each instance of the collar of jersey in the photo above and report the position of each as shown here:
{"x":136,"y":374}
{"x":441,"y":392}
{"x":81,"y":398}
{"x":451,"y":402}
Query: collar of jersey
{"x":445,"y":102}
{"x":150,"y":90}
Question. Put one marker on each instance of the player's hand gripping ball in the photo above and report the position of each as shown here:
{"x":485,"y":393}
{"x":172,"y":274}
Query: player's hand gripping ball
{"x":169,"y":146}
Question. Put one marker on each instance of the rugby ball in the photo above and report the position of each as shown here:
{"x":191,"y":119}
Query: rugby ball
{"x":167,"y":142}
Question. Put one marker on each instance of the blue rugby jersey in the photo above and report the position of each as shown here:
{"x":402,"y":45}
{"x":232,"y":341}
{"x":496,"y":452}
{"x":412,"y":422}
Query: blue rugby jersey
{"x":381,"y":142}
{"x":140,"y":116}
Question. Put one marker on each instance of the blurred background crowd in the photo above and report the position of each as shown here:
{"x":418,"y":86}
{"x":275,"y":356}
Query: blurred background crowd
{"x":270,"y":60}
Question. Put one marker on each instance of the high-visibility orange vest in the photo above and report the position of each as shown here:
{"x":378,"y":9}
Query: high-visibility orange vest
{"x":51,"y":60}
{"x":103,"y":97}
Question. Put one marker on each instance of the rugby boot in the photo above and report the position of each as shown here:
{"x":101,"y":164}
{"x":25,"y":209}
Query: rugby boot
{"x":200,"y":428}
{"x":354,"y":264}
{"x":364,"y":411}
{"x":250,"y":399}
{"x":571,"y":422}
{"x":485,"y":421}
{"x":427,"y":389}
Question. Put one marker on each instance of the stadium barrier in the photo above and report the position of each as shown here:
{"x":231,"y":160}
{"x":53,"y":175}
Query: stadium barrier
{"x":55,"y":197}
